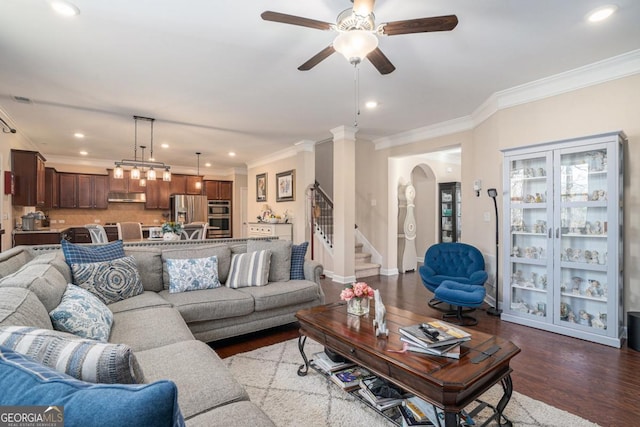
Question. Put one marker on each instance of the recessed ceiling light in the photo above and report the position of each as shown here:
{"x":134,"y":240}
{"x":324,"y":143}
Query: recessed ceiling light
{"x":601,"y":13}
{"x":165,"y":145}
{"x":83,"y":153}
{"x":232,"y":154}
{"x":64,"y":8}
{"x":208,"y":164}
{"x":371,"y":104}
{"x":78,"y":135}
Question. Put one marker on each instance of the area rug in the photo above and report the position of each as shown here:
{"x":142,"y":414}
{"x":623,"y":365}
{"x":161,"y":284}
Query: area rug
{"x":269,"y":375}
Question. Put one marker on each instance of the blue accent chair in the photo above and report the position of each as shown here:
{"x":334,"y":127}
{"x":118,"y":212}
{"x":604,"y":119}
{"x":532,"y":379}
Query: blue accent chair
{"x":458,"y":262}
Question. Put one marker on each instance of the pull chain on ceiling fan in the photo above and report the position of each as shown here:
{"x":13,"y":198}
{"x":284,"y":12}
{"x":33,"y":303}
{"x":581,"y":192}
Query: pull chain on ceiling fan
{"x":358,"y":34}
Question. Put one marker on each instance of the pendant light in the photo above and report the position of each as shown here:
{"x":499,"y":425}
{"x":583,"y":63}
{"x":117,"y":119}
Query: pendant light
{"x":118,"y":172}
{"x":143,"y":180}
{"x":199,"y":182}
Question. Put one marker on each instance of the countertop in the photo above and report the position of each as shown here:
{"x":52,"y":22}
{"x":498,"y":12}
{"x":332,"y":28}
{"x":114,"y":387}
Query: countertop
{"x":57,"y":230}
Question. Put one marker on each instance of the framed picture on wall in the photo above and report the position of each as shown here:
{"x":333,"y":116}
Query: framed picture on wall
{"x":285,"y":186}
{"x":261,"y":187}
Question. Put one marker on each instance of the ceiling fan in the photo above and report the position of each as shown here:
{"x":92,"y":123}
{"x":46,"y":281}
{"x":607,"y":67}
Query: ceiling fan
{"x":358,"y":33}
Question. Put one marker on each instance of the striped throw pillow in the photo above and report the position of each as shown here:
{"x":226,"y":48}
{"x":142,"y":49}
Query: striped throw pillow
{"x":84,"y":359}
{"x":249,"y":269}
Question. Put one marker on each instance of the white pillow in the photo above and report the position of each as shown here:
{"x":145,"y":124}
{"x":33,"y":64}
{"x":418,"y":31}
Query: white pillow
{"x":83,"y":314}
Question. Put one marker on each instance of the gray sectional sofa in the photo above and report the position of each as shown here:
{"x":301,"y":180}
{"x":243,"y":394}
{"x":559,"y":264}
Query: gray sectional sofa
{"x":168,"y":331}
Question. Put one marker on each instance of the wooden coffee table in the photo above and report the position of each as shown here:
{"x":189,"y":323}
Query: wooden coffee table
{"x":449,"y":384}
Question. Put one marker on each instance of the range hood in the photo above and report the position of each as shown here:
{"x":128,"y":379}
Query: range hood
{"x":127,"y":197}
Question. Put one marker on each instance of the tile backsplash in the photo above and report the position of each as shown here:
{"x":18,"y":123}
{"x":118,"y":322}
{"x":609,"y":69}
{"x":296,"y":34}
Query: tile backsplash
{"x":117,"y":212}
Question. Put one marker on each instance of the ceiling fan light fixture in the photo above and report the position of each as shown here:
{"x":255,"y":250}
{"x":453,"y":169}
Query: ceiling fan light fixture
{"x":355,"y":45}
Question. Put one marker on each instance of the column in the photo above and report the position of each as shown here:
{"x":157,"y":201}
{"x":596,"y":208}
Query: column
{"x":344,"y":206}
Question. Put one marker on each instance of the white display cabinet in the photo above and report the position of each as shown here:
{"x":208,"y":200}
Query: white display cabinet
{"x":563,"y":229}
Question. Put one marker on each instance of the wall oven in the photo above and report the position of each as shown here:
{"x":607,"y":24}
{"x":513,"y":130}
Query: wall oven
{"x":219,"y":219}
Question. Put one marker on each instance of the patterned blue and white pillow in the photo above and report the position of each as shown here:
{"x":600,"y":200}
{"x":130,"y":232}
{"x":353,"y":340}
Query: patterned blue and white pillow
{"x":297,"y":260}
{"x":249,"y":269}
{"x":83,"y":314}
{"x":84,"y":359}
{"x":192,"y":274}
{"x":110,"y":281}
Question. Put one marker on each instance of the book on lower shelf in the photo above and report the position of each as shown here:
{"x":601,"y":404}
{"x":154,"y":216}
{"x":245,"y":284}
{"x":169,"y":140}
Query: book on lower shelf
{"x":409,"y":419}
{"x":349,"y":379}
{"x":323,"y":362}
{"x":424,"y":411}
{"x":452,"y":351}
{"x":381,"y":393}
{"x":435,"y":333}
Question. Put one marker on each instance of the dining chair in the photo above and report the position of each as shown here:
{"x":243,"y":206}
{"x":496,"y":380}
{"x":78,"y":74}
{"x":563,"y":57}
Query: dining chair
{"x":194,"y":231}
{"x":97,"y":233}
{"x":129,"y":231}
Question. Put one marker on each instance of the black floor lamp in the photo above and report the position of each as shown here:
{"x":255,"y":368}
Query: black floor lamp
{"x":495,"y":311}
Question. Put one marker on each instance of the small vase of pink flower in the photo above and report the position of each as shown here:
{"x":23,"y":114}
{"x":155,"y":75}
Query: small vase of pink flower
{"x":357,"y":297}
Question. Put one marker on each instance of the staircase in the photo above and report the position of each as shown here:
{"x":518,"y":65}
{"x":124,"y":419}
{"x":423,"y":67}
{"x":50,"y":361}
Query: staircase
{"x":363,"y":265}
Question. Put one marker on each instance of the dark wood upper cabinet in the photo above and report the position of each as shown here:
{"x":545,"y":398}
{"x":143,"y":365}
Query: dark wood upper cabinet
{"x":219,"y":190}
{"x":83,"y":191}
{"x":178,"y":184}
{"x":158,"y":194}
{"x":68,"y":190}
{"x":123,"y":185}
{"x":51,"y":184}
{"x":28,"y":168}
{"x":194,"y":185}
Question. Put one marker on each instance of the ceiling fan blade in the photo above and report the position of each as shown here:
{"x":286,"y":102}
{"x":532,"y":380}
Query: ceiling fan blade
{"x":420,"y":25}
{"x":380,"y":61}
{"x":317,"y":58}
{"x":363,"y":7}
{"x":295,"y":20}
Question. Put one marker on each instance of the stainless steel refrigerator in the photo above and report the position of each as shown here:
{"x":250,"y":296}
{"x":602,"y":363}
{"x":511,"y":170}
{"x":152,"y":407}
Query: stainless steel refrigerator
{"x":186,"y":208}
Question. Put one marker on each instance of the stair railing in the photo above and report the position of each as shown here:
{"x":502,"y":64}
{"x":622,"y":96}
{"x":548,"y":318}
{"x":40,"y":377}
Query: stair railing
{"x":322,"y":216}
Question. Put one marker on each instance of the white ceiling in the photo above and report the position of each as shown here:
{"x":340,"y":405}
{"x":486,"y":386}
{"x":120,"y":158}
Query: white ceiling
{"x":217,"y":78}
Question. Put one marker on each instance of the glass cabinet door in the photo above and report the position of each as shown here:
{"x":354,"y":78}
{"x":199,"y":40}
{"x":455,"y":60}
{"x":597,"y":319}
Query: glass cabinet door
{"x":450,"y":215}
{"x":529,"y":267}
{"x":581,"y":242}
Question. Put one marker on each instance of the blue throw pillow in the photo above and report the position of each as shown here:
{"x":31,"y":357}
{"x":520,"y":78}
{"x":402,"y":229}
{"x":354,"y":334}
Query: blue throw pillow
{"x":82,"y":254}
{"x":297,"y":260}
{"x":81,"y":313}
{"x":26,"y":382}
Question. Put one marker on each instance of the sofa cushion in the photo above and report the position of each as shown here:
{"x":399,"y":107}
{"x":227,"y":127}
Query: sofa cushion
{"x":208,"y":304}
{"x":42,"y":279}
{"x":21,"y":307}
{"x":146,"y":300}
{"x":149,"y":262}
{"x":280,"y":270}
{"x":26,"y":382}
{"x":13,"y":259}
{"x":297,"y":261}
{"x":84,"y":359}
{"x":150,"y":328}
{"x":200,"y":389}
{"x":220,"y":250}
{"x":111,"y":281}
{"x":192,"y":274}
{"x":55,"y":259}
{"x":80,"y":254}
{"x":82,"y":313}
{"x":282,"y":294}
{"x":250,"y":269}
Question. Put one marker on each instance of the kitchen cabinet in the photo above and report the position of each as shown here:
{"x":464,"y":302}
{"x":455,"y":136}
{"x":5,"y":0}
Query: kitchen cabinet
{"x":28,"y":168}
{"x":193,"y":182}
{"x":157,"y":194}
{"x":45,"y":237}
{"x":219,"y":190}
{"x":178,"y":184}
{"x":83,"y":191}
{"x":124,"y":185}
{"x":52,"y":184}
{"x":564,"y":229}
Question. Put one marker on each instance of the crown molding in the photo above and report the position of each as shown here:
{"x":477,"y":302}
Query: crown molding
{"x":304,"y":145}
{"x":613,"y":68}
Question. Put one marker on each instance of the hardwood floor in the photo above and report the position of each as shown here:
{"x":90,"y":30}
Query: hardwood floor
{"x":596,"y":382}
